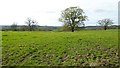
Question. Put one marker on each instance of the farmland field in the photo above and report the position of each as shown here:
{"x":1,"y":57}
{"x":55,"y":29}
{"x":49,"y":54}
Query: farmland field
{"x":80,"y":48}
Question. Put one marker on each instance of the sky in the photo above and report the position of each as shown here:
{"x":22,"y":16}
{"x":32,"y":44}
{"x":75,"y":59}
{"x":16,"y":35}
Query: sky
{"x":47,"y":12}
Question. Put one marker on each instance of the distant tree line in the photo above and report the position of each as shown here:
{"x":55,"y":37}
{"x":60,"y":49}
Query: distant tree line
{"x":51,"y":28}
{"x":25,"y":28}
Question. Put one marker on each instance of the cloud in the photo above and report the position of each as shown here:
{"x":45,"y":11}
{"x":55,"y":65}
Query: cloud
{"x":103,"y":10}
{"x":100,"y":10}
{"x":50,"y":11}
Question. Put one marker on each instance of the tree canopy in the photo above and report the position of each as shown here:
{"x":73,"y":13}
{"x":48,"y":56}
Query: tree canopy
{"x":72,"y":17}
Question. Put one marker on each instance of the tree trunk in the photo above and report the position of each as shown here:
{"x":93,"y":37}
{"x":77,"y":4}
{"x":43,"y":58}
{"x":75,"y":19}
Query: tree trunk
{"x":72,"y":29}
{"x":105,"y":27}
{"x":30,"y":28}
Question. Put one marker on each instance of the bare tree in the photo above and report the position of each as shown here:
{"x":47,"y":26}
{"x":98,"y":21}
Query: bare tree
{"x":31,"y":23}
{"x":105,"y":23}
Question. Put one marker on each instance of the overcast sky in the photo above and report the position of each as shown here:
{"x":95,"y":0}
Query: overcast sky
{"x":47,"y":12}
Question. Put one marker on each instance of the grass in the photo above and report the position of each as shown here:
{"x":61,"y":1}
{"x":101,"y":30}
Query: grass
{"x":81,"y":48}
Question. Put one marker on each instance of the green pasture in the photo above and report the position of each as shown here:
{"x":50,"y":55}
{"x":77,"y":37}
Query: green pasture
{"x":80,"y":48}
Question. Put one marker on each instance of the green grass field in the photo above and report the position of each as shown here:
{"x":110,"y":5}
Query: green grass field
{"x":80,"y":48}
